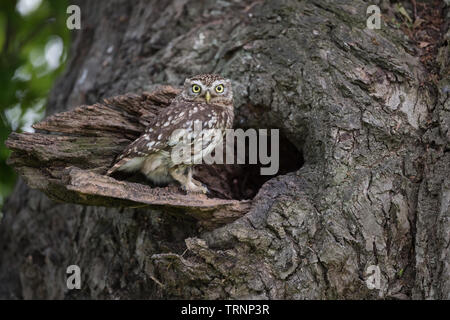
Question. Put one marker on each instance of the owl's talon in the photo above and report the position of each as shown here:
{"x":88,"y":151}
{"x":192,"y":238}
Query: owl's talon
{"x":201,"y":186}
{"x":195,"y":189}
{"x":206,"y":189}
{"x":194,"y":186}
{"x":200,"y":189}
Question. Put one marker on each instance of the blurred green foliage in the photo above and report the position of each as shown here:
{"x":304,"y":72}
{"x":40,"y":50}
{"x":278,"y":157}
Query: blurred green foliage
{"x":33,"y":48}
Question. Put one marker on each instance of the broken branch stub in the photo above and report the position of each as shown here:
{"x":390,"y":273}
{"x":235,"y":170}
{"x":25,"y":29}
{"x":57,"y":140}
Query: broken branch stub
{"x":68,"y":156}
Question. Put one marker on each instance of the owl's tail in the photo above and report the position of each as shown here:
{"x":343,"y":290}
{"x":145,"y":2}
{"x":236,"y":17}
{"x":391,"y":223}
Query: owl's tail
{"x":113,"y":169}
{"x":126,"y":164}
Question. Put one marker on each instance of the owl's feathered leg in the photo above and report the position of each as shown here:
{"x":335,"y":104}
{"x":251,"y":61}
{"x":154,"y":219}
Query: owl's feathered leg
{"x":184,"y":176}
{"x":196,"y":182}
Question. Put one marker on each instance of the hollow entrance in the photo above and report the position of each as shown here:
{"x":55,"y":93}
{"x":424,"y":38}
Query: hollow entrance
{"x":243,"y":181}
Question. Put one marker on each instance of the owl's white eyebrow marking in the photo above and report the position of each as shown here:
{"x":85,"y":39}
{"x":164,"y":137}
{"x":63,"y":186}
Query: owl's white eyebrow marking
{"x":199,"y":82}
{"x":217,"y":82}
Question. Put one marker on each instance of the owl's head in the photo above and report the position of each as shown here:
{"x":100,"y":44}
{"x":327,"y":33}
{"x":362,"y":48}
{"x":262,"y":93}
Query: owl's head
{"x":209,"y":88}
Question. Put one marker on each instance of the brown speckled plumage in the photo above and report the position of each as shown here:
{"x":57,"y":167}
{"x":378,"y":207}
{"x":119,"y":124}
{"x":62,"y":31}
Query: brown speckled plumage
{"x":151,"y":152}
{"x":207,"y":79}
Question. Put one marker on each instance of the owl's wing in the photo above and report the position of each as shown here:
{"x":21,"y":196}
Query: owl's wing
{"x":155,"y":138}
{"x":135,"y":153}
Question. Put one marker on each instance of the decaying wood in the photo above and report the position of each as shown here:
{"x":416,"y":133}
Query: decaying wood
{"x":69,"y":155}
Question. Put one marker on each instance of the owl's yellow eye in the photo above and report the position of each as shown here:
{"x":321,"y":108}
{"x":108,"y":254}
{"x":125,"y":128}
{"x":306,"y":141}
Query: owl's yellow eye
{"x":196,"y":88}
{"x":219,"y":88}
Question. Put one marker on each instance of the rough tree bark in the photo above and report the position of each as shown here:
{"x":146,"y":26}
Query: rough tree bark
{"x":373,"y":190}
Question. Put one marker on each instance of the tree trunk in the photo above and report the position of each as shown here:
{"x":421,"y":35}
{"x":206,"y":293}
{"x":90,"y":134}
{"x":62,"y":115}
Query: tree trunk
{"x":373,"y":189}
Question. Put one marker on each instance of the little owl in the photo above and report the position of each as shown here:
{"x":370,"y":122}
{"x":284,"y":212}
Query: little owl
{"x":207,"y":100}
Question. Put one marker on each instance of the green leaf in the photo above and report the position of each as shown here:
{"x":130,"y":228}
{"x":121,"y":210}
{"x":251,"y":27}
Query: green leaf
{"x":19,"y":37}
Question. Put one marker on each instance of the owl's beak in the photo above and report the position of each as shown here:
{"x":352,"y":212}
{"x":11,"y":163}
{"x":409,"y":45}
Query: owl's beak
{"x":207,"y":96}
